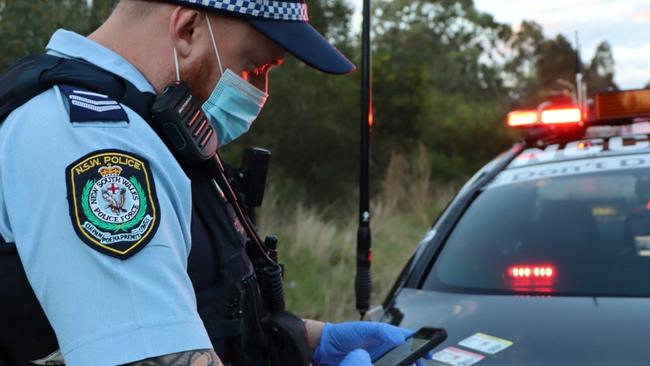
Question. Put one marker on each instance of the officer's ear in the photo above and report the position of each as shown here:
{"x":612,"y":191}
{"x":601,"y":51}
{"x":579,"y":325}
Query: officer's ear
{"x":182,"y":29}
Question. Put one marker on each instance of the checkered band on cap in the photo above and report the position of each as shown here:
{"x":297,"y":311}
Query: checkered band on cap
{"x":268,"y":9}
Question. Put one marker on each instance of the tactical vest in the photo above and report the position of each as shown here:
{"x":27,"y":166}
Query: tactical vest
{"x":236,"y":315}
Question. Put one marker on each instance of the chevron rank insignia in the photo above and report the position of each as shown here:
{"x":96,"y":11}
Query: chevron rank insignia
{"x":87,"y":106}
{"x":113,"y":202}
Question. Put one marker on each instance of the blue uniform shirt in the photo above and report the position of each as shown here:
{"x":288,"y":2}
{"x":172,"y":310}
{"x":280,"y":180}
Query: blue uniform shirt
{"x":104,"y":310}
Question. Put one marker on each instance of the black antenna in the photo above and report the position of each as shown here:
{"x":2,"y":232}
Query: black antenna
{"x":578,"y":60}
{"x":581,"y":89}
{"x":363,"y":283}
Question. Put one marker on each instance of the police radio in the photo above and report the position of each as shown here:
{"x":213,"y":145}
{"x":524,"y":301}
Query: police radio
{"x":178,"y":115}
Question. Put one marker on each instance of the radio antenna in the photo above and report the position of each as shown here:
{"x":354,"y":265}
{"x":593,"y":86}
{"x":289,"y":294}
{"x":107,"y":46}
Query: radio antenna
{"x":363,"y":282}
{"x":581,"y":87}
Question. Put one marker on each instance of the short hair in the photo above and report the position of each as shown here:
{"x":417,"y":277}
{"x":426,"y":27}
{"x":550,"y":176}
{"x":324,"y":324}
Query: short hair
{"x":136,"y":9}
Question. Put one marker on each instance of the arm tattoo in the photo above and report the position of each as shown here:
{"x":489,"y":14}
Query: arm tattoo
{"x":204,"y":357}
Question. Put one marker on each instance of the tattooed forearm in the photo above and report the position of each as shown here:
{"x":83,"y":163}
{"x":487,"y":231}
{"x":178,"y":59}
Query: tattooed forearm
{"x":204,"y":357}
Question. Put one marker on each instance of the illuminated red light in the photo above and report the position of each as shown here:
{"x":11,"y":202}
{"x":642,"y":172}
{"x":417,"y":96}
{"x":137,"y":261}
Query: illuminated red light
{"x":522,"y":118}
{"x":561,"y":116}
{"x":550,"y":116}
{"x":532,"y":272}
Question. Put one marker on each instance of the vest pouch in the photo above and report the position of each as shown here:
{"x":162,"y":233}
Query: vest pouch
{"x":223,"y":276}
{"x":288,"y":339}
{"x":25,"y":333}
{"x":254,"y":340}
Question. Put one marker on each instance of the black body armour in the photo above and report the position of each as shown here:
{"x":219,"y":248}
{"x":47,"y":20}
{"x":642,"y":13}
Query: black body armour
{"x":224,"y":279}
{"x":230,"y":301}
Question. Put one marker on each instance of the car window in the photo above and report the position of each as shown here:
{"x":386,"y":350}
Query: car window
{"x":574,"y":234}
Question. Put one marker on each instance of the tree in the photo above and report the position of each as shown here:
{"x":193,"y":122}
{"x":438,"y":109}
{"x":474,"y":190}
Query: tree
{"x":600,"y":73}
{"x":26,"y":26}
{"x":521,"y":63}
{"x":436,"y":83}
{"x":557,"y":61}
{"x":538,"y":66}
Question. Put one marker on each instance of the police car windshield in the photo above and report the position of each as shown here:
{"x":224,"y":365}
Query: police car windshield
{"x":574,"y":230}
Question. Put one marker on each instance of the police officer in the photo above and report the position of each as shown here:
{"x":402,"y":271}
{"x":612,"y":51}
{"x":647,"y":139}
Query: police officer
{"x":99,"y":209}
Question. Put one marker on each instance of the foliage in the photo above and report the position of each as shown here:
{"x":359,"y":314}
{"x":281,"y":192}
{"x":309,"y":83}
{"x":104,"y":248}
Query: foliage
{"x":434,"y":85}
{"x":600,"y":74}
{"x":521,"y":65}
{"x":540,"y":66}
{"x":26,"y":26}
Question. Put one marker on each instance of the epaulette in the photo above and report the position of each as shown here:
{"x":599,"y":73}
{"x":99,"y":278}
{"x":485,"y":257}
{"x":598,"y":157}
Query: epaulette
{"x":87,"y":106}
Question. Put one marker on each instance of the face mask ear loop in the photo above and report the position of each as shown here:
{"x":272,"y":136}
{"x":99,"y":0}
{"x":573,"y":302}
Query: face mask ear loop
{"x":178,"y":69}
{"x":214,"y":43}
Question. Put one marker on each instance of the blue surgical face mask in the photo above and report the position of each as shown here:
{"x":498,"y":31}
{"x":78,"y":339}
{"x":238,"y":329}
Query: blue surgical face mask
{"x":233,"y":106}
{"x":234,"y":103}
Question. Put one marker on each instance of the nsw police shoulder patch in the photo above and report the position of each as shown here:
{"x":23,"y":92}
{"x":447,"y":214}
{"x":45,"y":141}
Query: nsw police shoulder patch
{"x":113,"y":202}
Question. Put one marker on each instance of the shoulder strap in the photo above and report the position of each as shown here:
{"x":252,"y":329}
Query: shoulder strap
{"x":37,"y":73}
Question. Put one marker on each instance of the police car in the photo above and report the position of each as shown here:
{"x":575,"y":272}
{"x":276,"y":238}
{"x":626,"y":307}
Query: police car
{"x":543,"y":257}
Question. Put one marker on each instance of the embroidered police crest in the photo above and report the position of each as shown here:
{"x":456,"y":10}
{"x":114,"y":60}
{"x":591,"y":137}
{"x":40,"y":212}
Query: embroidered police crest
{"x":113,"y":202}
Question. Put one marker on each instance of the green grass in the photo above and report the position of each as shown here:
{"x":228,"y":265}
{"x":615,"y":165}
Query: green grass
{"x":319,"y":254}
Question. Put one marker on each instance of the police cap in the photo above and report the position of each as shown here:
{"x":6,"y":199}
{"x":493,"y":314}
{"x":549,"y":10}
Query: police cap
{"x":287,"y":23}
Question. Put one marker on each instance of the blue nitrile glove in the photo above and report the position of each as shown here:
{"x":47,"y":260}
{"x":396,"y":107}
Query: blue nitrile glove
{"x":358,"y":357}
{"x":338,"y":340}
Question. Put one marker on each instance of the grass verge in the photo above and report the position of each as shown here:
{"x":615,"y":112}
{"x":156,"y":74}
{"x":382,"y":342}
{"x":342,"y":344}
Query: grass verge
{"x":319,"y":254}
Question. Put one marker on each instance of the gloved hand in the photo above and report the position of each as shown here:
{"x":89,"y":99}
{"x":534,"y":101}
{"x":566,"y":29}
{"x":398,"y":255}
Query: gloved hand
{"x":338,"y":340}
{"x":358,"y":357}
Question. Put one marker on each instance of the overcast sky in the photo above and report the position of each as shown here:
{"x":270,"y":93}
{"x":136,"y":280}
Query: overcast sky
{"x":625,"y":24}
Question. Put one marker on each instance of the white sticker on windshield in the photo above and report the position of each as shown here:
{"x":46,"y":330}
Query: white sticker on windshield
{"x":574,"y":167}
{"x":457,"y":357}
{"x":485,"y":343}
